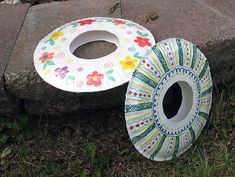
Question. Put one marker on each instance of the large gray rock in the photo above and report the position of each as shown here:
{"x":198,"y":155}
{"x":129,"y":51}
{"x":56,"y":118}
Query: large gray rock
{"x":195,"y":21}
{"x":23,"y":82}
{"x":221,"y":54}
{"x":209,"y":25}
{"x":11,"y":18}
{"x":224,"y":8}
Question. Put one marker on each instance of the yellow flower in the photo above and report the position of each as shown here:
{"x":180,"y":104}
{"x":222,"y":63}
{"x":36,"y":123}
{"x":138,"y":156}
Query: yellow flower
{"x":47,"y":71}
{"x":57,"y":35}
{"x":128,"y":63}
{"x":69,"y":61}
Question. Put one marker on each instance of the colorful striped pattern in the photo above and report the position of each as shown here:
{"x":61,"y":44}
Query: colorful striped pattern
{"x":177,"y":144}
{"x":204,"y":115}
{"x":151,"y":140}
{"x":192,"y":135}
{"x":208,"y":91}
{"x":194,"y":56}
{"x":142,"y":135}
{"x":144,"y":78}
{"x":138,"y":107}
{"x":204,"y":69}
{"x":159,"y":146}
{"x":161,"y":58}
{"x":181,"y":57}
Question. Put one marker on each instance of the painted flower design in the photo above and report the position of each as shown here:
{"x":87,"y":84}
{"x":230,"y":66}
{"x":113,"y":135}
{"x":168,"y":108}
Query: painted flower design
{"x":61,"y":72}
{"x":56,"y":35}
{"x":128,"y":63}
{"x":95,"y":79}
{"x":142,"y":41}
{"x":46,"y":56}
{"x":86,"y":22}
{"x":118,"y":22}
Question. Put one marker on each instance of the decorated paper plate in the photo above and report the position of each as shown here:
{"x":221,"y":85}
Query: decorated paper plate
{"x":56,"y":64}
{"x":153,"y":134}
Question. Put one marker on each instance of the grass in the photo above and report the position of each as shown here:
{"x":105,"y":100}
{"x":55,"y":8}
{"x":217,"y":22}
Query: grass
{"x":97,"y":144}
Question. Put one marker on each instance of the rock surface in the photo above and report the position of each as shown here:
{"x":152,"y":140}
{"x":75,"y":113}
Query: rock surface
{"x":226,"y":9}
{"x":11,"y":18}
{"x":202,"y":22}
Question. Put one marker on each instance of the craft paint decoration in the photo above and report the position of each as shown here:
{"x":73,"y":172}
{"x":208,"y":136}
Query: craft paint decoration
{"x":152,"y":133}
{"x":55,"y":63}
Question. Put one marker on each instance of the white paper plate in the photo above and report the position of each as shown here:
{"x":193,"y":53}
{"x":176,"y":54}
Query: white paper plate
{"x":56,"y":64}
{"x":152,"y":133}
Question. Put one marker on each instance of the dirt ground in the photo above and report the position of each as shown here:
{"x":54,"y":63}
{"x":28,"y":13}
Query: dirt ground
{"x":58,"y":146}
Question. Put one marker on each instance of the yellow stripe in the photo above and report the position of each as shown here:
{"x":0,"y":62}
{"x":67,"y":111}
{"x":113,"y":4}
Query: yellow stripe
{"x":155,"y":146}
{"x":166,"y":145}
{"x":205,"y":97}
{"x":154,"y":61}
{"x":165,"y":57}
{"x":139,"y":100}
{"x":148,"y":140}
{"x":174,"y":53}
{"x":191,"y":54}
{"x":137,"y":117}
{"x":141,"y":129}
{"x":146,"y":73}
{"x":204,"y":106}
{"x":141,"y":86}
{"x":204,"y":87}
{"x":184,"y":53}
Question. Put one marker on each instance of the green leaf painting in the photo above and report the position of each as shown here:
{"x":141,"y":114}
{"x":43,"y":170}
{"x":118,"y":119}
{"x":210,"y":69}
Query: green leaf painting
{"x":136,"y":55}
{"x":52,"y":42}
{"x":110,"y":78}
{"x":142,"y":34}
{"x":109,"y":72}
{"x":48,"y":63}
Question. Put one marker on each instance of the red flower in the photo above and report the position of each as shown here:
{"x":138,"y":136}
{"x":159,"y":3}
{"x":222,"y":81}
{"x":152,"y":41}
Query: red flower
{"x":46,"y":56}
{"x":86,"y":22}
{"x":94,"y":79}
{"x":142,"y":41}
{"x":118,"y":22}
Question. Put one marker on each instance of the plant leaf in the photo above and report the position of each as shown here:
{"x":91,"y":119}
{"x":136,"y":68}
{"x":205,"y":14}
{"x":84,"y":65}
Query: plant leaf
{"x":3,"y":120}
{"x":21,"y":139}
{"x":3,"y":139}
{"x":8,"y":125}
{"x":109,"y":71}
{"x":6,"y":152}
{"x":23,"y":122}
{"x":97,"y":173}
{"x":84,"y":173}
{"x":28,"y":135}
{"x":91,"y":152}
{"x":110,"y":78}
